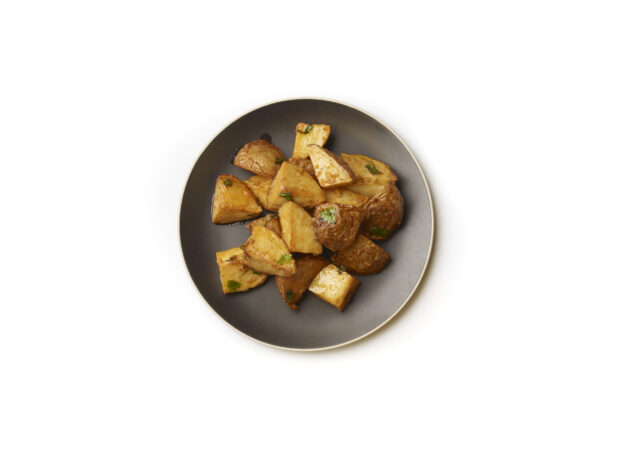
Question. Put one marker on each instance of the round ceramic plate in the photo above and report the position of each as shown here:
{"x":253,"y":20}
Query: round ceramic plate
{"x":260,"y":313}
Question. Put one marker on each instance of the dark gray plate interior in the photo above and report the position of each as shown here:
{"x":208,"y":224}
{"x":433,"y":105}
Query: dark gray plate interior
{"x":260,"y":313}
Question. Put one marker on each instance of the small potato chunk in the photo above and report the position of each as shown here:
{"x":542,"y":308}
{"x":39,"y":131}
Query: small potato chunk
{"x":363,"y":257}
{"x":236,"y":277}
{"x":293,"y":287}
{"x":297,"y":229}
{"x":260,"y":157}
{"x":259,"y":185}
{"x":265,"y":251}
{"x":304,"y":163}
{"x":334,"y":286}
{"x":336,"y":225}
{"x":345,"y":197}
{"x":367,"y":190}
{"x":233,"y":201}
{"x":271,"y":221}
{"x":384,"y":213}
{"x":368,"y":170}
{"x":330,"y":169}
{"x":294,"y":184}
{"x":307,"y":134}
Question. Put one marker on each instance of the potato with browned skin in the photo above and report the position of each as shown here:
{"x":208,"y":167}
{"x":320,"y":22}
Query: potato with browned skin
{"x":335,"y":286}
{"x":235,"y":276}
{"x":297,"y":229}
{"x":336,"y":225}
{"x":307,"y":134}
{"x":233,"y":201}
{"x":330,"y":168}
{"x":363,"y":257}
{"x":384,"y":213}
{"x":344,"y":196}
{"x":294,"y":184}
{"x":371,"y":175}
{"x":260,"y":157}
{"x":293,"y":287}
{"x":303,"y":163}
{"x":271,"y":221}
{"x":265,"y":251}
{"x":259,"y":186}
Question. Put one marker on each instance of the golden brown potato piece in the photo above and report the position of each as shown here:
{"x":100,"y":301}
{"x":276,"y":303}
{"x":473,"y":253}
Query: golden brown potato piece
{"x":384,"y":214}
{"x":304,"y":163}
{"x":260,"y":157}
{"x":233,"y":201}
{"x":259,"y":186}
{"x":345,"y":197}
{"x":336,"y":225}
{"x":330,"y":169}
{"x":236,"y":277}
{"x":307,"y":134}
{"x":294,"y":184}
{"x":265,"y":251}
{"x":271,"y":221}
{"x":368,"y":170}
{"x":367,"y":190}
{"x":363,"y":257}
{"x":293,"y":287}
{"x":297,"y":229}
{"x":334,"y":286}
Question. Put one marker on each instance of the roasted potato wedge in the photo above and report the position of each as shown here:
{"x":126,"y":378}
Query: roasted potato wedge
{"x":259,"y":185}
{"x":384,"y":213}
{"x":307,"y":134}
{"x":260,"y":157}
{"x":345,"y":197}
{"x":363,"y":257}
{"x":367,"y":190}
{"x":330,"y":169}
{"x":293,"y":287}
{"x":271,"y":221}
{"x":334,"y":286}
{"x":297,"y":229}
{"x":368,"y":170}
{"x":303,"y":163}
{"x":294,"y":184}
{"x":336,"y":225}
{"x":233,"y":201}
{"x":265,"y":251}
{"x":236,"y":277}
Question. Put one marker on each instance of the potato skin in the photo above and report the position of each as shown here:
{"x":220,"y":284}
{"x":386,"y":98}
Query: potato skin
{"x":363,"y":257}
{"x":338,"y":231}
{"x":384,"y":211}
{"x":307,"y":267}
{"x":259,"y":157}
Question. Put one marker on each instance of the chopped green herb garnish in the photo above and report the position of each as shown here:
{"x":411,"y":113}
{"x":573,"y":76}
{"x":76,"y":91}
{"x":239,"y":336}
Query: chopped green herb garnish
{"x":285,"y":258}
{"x":275,"y":216}
{"x":255,"y":272}
{"x":342,"y":269}
{"x":371,"y":168}
{"x":279,"y":160}
{"x":227,"y":182}
{"x":378,"y":231}
{"x":329,"y":215}
{"x":286,"y":195}
{"x":306,"y":130}
{"x":233,"y":285}
{"x":289,"y":295}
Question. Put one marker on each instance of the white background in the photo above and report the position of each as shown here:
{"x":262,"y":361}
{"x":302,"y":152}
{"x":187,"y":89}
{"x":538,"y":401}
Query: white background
{"x":508,"y":353}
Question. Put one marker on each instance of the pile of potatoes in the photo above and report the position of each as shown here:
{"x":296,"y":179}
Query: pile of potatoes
{"x":318,"y":200}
